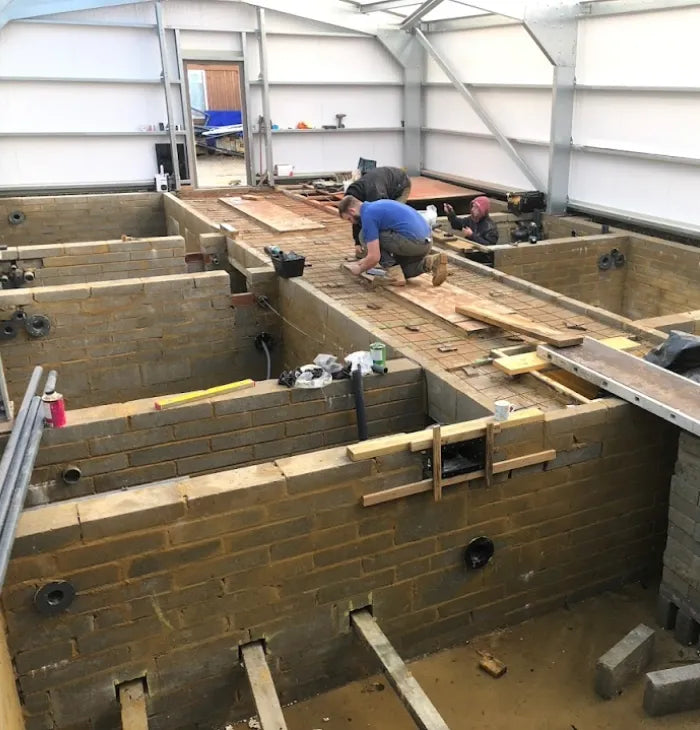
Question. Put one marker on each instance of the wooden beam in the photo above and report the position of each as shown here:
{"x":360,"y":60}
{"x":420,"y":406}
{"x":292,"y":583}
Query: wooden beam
{"x":437,"y":463}
{"x":389,"y":495}
{"x":491,"y":430}
{"x":409,"y":691}
{"x":379,"y":447}
{"x":267,"y":704}
{"x":132,"y":698}
{"x":485,"y":312}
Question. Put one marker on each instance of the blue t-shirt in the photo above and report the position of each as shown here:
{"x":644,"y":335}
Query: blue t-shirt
{"x":389,"y":215}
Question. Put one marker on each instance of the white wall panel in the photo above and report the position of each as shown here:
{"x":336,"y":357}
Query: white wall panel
{"x":200,"y":40}
{"x":523,"y":113}
{"x":644,"y":49}
{"x":660,"y":123}
{"x":28,"y":49}
{"x":365,"y":107}
{"x":138,"y":12}
{"x":481,"y":159}
{"x":297,"y":58}
{"x":644,"y":187}
{"x":81,"y":107}
{"x":504,"y":54}
{"x":205,"y":15}
{"x":56,"y":161}
{"x":339,"y":151}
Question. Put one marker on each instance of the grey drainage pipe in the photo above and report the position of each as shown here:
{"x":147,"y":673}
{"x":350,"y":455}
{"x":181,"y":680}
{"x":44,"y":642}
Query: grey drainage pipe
{"x":358,"y":392}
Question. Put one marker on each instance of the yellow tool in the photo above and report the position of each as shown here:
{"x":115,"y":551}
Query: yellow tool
{"x":179,"y":400}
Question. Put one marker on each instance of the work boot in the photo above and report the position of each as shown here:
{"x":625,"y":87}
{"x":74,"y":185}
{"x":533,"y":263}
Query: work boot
{"x":436,"y":264}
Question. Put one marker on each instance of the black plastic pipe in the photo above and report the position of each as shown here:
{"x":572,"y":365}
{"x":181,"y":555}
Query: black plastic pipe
{"x":358,"y":392}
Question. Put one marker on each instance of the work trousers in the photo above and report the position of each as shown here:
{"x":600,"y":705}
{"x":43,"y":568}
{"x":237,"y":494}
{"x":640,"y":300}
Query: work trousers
{"x":408,"y":253}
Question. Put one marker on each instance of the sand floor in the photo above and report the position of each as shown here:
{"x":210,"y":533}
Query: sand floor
{"x":548,"y":685}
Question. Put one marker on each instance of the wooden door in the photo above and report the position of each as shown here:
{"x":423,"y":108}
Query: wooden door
{"x":223,"y":85}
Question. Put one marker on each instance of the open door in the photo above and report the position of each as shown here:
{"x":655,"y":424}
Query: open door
{"x":217,"y":107}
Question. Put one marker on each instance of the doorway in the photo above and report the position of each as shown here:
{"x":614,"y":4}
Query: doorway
{"x":216,"y":98}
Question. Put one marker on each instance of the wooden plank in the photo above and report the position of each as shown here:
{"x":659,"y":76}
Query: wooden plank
{"x":456,"y":432}
{"x":437,"y":463}
{"x":528,"y":361}
{"x":521,"y":461}
{"x":560,"y":388}
{"x":409,"y":691}
{"x":267,"y":704}
{"x":379,"y":447}
{"x":486,"y":312}
{"x":581,"y":386}
{"x":491,"y":430}
{"x":426,"y":188}
{"x":389,"y":495}
{"x":274,"y":217}
{"x":440,"y":301}
{"x":132,"y":699}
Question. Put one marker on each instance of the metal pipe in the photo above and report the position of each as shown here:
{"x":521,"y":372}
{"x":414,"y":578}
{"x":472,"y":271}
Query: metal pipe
{"x":167,"y":91}
{"x":11,"y":445}
{"x":19,"y":494}
{"x":358,"y":392}
{"x":266,"y":98}
{"x":269,"y":361}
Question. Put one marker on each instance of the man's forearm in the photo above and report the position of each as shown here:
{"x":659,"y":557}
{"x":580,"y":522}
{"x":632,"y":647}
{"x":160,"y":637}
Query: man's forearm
{"x":456,"y":223}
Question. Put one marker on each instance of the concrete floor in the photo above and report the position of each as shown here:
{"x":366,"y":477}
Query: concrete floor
{"x":548,"y":685}
{"x":215,"y":171}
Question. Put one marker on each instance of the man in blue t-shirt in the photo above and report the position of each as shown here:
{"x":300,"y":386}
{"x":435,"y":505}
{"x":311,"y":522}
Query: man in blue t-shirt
{"x":397,"y":238}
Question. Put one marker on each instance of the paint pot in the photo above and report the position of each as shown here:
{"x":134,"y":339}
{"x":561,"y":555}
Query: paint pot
{"x":378,"y":352}
{"x":54,"y":410}
{"x":502,"y":410}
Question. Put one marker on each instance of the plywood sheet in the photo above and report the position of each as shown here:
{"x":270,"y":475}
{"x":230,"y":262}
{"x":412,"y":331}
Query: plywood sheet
{"x":442,"y":301}
{"x":274,"y":217}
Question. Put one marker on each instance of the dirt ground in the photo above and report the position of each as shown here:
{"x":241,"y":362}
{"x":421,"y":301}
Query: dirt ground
{"x":548,"y":685}
{"x":216,"y":171}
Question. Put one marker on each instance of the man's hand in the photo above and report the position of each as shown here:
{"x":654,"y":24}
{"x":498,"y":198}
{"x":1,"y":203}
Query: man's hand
{"x":360,"y":251}
{"x":467,"y":232}
{"x":449,"y":210}
{"x":355,"y":269}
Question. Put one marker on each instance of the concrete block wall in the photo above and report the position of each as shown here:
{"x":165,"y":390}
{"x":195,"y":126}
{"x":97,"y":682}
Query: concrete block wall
{"x":570,"y":268}
{"x":131,"y":443}
{"x":55,"y":219}
{"x":79,"y":263}
{"x":114,"y":341}
{"x":185,"y":221}
{"x":662,"y":278}
{"x":681,"y":575}
{"x":171,"y":579}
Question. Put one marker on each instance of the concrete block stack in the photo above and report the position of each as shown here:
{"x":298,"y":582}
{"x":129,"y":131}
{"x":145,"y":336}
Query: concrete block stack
{"x":679,"y":599}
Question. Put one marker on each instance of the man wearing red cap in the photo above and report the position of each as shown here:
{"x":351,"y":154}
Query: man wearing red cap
{"x":478,"y":226}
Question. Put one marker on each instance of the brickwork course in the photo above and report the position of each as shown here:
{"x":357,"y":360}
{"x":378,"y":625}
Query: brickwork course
{"x":81,"y":263}
{"x":114,"y":341}
{"x":170,"y":579}
{"x":57,"y":219}
{"x":388,"y":316}
{"x":658,"y":278}
{"x":127,"y":444}
{"x":681,"y":574}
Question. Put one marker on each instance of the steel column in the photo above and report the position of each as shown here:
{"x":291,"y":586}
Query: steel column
{"x":247,"y":119}
{"x":168,"y":96}
{"x":553,"y":27}
{"x":480,"y":111}
{"x":262,"y":39}
{"x":190,"y":148}
{"x":410,"y":54}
